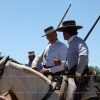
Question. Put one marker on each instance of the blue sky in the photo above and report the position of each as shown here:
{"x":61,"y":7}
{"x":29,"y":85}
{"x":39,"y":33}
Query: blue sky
{"x":22,"y":23}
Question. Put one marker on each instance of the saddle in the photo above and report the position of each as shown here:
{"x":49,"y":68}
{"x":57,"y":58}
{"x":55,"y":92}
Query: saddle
{"x":68,"y":88}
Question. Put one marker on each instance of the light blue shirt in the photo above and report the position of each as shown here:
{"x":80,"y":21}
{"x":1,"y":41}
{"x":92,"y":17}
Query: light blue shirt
{"x":77,"y":55}
{"x":28,"y":64}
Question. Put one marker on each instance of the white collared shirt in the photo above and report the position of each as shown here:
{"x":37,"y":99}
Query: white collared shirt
{"x":71,"y":39}
{"x":57,"y":50}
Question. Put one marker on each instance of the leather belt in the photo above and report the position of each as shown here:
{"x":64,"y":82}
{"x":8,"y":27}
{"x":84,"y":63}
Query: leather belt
{"x":47,"y":66}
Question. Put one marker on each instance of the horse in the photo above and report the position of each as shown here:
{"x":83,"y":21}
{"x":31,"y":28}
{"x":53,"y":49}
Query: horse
{"x":27,"y":84}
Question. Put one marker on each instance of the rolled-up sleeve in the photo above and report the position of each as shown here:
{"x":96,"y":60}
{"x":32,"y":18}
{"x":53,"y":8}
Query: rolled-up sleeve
{"x":82,"y":58}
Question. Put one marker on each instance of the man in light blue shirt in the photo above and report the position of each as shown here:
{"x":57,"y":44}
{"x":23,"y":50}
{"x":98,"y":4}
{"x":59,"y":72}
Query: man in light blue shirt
{"x":31,"y":56}
{"x":54,"y":50}
{"x":77,"y":55}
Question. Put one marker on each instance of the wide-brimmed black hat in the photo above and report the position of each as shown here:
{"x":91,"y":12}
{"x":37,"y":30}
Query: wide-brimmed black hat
{"x":68,"y":24}
{"x":48,"y":30}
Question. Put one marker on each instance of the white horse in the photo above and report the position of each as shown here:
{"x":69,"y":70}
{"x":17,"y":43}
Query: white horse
{"x":26,"y":83}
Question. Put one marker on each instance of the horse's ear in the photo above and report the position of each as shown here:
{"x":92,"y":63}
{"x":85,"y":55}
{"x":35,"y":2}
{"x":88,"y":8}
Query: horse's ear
{"x":4,"y":60}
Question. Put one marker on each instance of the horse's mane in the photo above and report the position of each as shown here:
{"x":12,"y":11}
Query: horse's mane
{"x":22,"y":67}
{"x":27,"y":70}
{"x":11,"y":60}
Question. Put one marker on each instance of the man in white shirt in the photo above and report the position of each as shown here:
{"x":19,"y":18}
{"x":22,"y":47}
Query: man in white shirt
{"x":55,"y":49}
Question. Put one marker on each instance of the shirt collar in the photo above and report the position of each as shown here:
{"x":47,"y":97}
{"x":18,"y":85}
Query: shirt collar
{"x":71,"y":39}
{"x":54,"y":43}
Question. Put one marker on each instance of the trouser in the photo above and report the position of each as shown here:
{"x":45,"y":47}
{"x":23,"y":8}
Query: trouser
{"x":63,"y":89}
{"x":80,"y":87}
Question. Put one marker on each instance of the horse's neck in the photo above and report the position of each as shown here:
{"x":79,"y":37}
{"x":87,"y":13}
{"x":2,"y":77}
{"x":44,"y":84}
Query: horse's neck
{"x":28,"y":87}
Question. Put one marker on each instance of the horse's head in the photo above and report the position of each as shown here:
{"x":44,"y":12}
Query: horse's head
{"x":4,"y":81}
{"x":3,"y":61}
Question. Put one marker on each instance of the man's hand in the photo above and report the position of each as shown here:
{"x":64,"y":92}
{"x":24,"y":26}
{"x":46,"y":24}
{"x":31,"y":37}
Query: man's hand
{"x":44,"y":70}
{"x":79,"y":79}
{"x":34,"y":67}
{"x":57,"y":62}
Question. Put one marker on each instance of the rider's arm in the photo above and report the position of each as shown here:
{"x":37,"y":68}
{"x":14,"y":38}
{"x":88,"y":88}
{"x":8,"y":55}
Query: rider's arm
{"x":36,"y":60}
{"x":83,"y":52}
{"x":62,"y":56}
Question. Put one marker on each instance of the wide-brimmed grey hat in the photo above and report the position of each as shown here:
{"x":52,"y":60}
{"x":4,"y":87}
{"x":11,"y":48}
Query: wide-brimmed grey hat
{"x":48,"y":30}
{"x":68,"y":24}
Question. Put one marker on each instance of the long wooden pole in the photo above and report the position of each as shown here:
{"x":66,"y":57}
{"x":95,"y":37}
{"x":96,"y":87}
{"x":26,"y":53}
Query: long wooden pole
{"x":92,"y":28}
{"x":41,"y":57}
{"x":64,"y":16}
